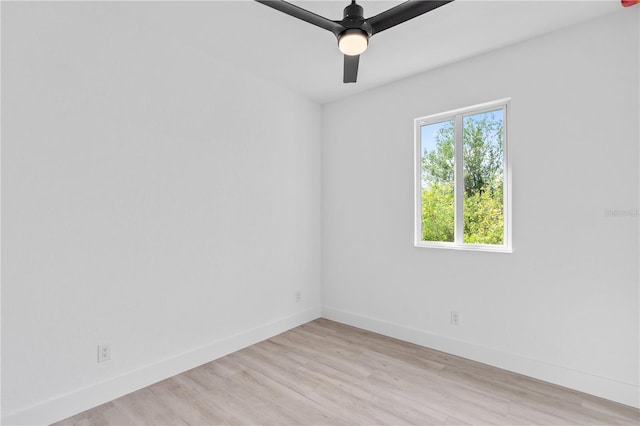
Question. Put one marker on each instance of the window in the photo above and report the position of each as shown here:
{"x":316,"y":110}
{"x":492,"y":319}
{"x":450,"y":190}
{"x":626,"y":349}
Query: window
{"x":463,"y":179}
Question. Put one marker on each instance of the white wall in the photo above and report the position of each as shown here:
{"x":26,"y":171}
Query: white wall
{"x":154,"y":198}
{"x":564,"y":305}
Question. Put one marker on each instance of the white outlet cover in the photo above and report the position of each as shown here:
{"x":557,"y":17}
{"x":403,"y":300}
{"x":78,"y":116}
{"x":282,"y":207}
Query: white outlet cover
{"x":104,"y":352}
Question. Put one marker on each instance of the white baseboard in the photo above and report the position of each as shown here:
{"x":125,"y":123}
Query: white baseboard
{"x":624,"y":393}
{"x":74,"y":402}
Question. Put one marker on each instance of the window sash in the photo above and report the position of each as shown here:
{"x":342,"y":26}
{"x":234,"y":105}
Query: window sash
{"x":457,"y":117}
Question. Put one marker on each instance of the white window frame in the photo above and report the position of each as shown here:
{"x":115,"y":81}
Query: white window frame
{"x":456,"y":116}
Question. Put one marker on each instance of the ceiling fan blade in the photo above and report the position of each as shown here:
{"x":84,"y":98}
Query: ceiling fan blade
{"x":305,"y":15}
{"x":351,"y":68}
{"x":402,"y":12}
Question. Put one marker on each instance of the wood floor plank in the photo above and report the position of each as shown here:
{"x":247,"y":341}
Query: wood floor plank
{"x":327,"y":373}
{"x":142,"y":407}
{"x":190,"y":405}
{"x":320,"y":393}
{"x":468,"y":409}
{"x":101,"y":415}
{"x":618,"y":411}
{"x":301,"y":408}
{"x":373,"y":396}
{"x":451,"y":421}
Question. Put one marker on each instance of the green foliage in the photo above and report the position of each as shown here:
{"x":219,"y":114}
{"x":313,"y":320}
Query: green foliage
{"x":483,"y":171}
{"x":482,"y":153}
{"x":437,"y":213}
{"x":438,"y":164}
{"x":483,"y":218}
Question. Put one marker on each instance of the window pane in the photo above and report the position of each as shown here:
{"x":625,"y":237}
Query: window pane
{"x":437,"y":149}
{"x":483,"y":178}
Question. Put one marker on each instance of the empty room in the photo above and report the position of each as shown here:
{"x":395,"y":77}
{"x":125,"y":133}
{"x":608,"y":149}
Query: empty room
{"x":320,"y":212}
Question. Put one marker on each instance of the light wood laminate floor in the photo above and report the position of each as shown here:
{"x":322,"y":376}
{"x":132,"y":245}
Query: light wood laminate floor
{"x":326,"y":373}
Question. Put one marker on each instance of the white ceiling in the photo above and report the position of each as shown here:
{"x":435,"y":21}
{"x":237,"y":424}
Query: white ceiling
{"x":305,"y":58}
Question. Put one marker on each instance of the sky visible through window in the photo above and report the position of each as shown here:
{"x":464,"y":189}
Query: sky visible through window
{"x":428,"y":132}
{"x":428,"y":135}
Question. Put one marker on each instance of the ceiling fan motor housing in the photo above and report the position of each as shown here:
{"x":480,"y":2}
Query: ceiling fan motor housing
{"x":355,"y":38}
{"x":354,"y":18}
{"x":353,"y":10}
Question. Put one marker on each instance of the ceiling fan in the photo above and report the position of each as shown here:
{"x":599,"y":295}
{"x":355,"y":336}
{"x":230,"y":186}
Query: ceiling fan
{"x":354,"y":30}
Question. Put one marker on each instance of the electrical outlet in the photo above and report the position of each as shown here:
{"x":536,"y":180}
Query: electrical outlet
{"x":104,"y":352}
{"x":455,"y":318}
{"x":298,"y":296}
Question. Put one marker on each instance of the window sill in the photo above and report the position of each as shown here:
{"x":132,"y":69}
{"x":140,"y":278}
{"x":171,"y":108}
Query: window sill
{"x":466,"y":247}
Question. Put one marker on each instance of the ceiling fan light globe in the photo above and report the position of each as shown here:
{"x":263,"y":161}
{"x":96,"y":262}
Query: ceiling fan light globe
{"x":353,"y":42}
